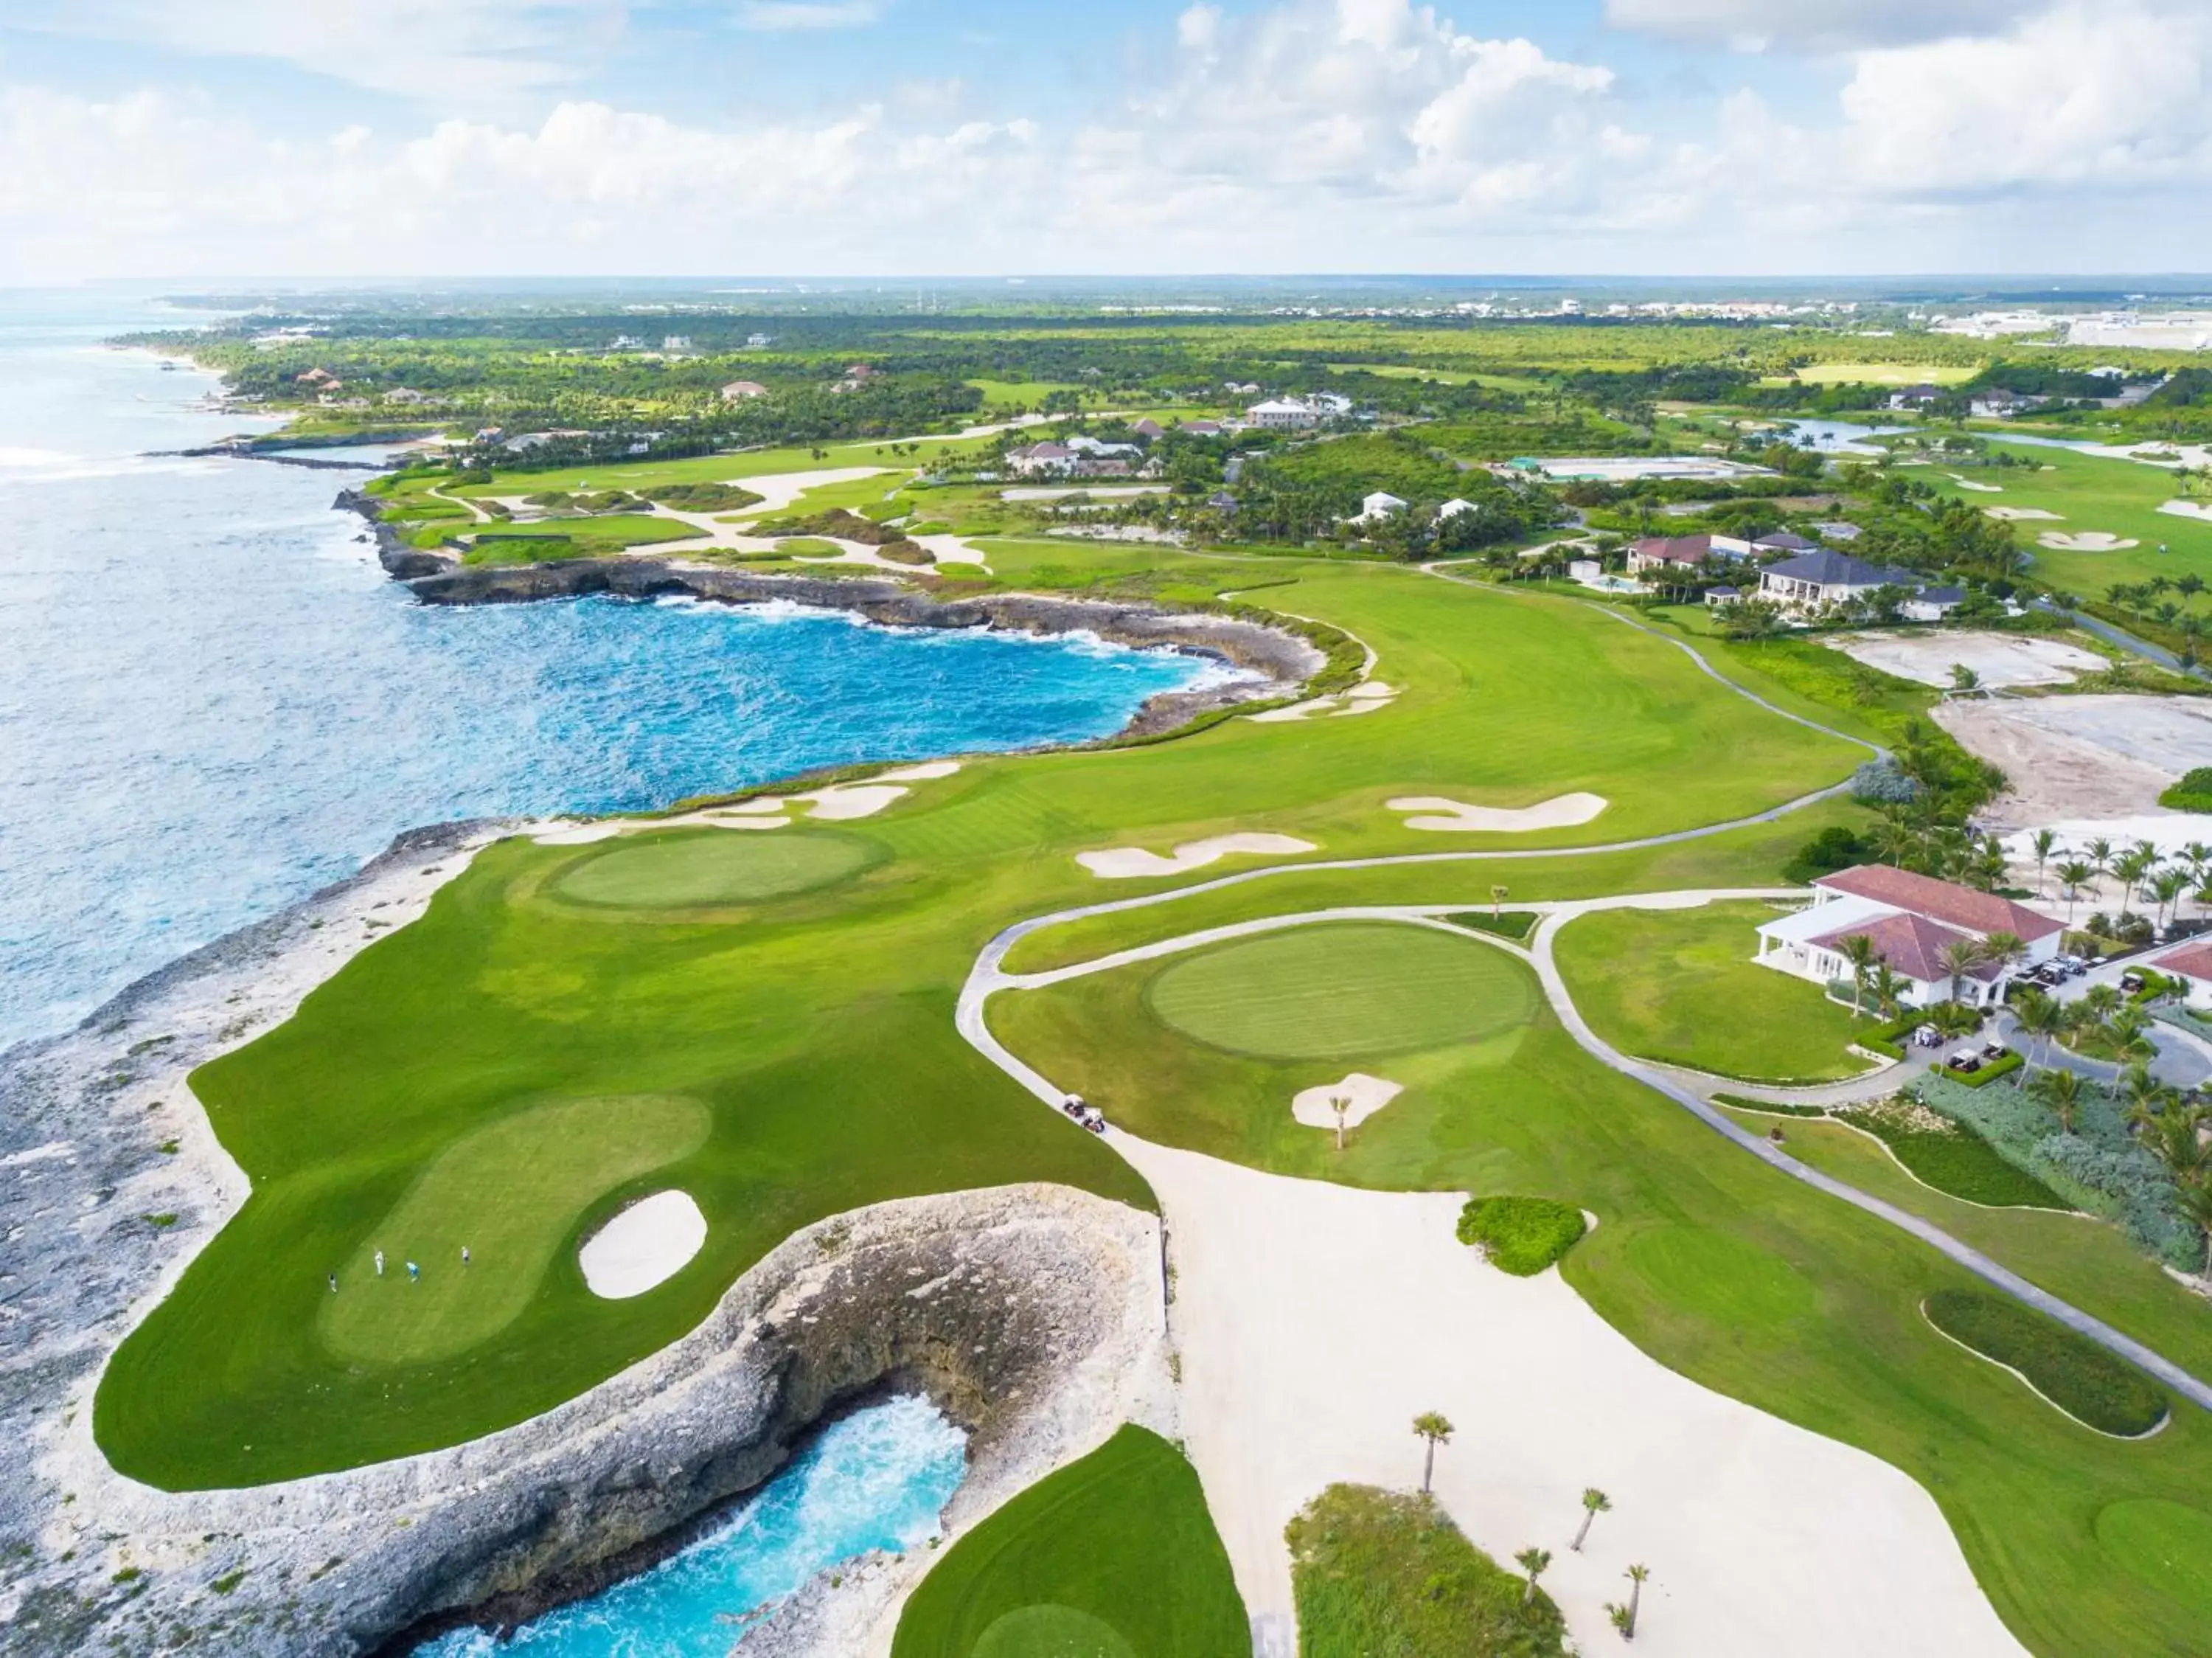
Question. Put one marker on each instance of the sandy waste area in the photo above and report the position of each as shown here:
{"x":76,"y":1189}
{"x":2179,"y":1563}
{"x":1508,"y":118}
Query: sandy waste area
{"x":1315,"y":1321}
{"x":1998,"y":660}
{"x":2082,"y":758}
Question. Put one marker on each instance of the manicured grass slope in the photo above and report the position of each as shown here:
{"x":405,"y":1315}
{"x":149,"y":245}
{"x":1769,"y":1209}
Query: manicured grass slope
{"x":1680,"y":985}
{"x":2094,"y":492}
{"x":1723,"y":1270}
{"x":680,"y":871}
{"x":1112,"y":1557}
{"x":2080,"y":1378}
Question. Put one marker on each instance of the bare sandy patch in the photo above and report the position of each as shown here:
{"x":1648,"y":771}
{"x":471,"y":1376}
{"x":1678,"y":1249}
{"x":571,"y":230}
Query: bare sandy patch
{"x":780,"y":492}
{"x":2201,"y":510}
{"x":1997,"y":659}
{"x":1457,"y":817}
{"x":949,"y":548}
{"x":1364,"y":1096}
{"x":2079,"y":757}
{"x":1309,"y":1338}
{"x":2021,"y":514}
{"x":1133,"y":863}
{"x":1979,"y":489}
{"x":644,"y":1247}
{"x":2086,"y":541}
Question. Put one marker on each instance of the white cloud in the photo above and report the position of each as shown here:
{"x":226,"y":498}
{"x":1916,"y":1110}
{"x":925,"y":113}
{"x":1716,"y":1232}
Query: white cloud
{"x":1812,"y":25}
{"x":769,"y":16}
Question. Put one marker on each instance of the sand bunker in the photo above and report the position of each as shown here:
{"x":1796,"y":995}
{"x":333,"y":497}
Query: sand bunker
{"x":2198,"y":509}
{"x":1979,"y":489}
{"x":2086,"y":541}
{"x":839,"y":804}
{"x":1316,"y":1107}
{"x":2080,"y":758}
{"x":1133,"y":863}
{"x":1307,"y":1320}
{"x":1368,"y":698}
{"x":644,"y":1247}
{"x":2021,"y":514}
{"x":1451,"y":816}
{"x":1998,"y":660}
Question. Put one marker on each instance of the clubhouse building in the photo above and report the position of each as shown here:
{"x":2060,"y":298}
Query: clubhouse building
{"x":1912,"y":922}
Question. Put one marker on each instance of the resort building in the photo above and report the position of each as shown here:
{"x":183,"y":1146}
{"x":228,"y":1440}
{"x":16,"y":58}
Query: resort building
{"x":737,"y":390}
{"x":1928,"y":932}
{"x":1041,"y":458}
{"x":1282,"y":414}
{"x":1814,"y":580}
{"x":1677,"y":553}
{"x":1377,"y":507}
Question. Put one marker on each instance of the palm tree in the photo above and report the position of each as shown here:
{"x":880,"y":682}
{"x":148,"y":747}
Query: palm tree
{"x":1532,"y":1561}
{"x":2072,"y":876}
{"x":1341,"y":1104}
{"x":2040,"y":1018}
{"x":2100,"y":857}
{"x":2130,"y":867}
{"x":1498,"y":897}
{"x":2194,"y":1199}
{"x":1637,"y":1574}
{"x":1961,"y":957}
{"x":2061,"y":1091}
{"x":2175,"y":1137}
{"x":2003,"y":951}
{"x":1434,"y":1429}
{"x":1888,"y":989}
{"x":2100,"y":1001}
{"x":1595,"y":1503}
{"x":2045,"y":843}
{"x":2167,"y":886}
{"x":1858,"y":950}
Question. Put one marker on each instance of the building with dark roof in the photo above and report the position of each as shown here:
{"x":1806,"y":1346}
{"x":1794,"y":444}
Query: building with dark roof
{"x":1813,"y":580}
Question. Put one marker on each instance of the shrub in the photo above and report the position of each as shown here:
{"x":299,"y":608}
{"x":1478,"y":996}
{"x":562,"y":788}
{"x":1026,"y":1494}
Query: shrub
{"x":1988,"y":1074}
{"x":1376,"y":1571}
{"x":1832,"y":849}
{"x":1951,"y":1157}
{"x":1883,"y":782}
{"x":706,"y":497}
{"x":906,"y":552}
{"x":1521,"y":1236}
{"x":2073,"y":1373}
{"x":2192,"y":794}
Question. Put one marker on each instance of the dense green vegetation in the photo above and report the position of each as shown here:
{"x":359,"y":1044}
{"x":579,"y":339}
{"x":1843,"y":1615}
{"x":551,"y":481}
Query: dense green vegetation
{"x":1112,"y":1557}
{"x":1680,"y":986}
{"x":1951,"y":1157}
{"x":1521,"y":1236}
{"x":2080,"y":1378}
{"x":1387,"y":1574}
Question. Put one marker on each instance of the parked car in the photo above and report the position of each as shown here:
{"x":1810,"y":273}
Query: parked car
{"x":1966,"y":1062}
{"x":1927,"y":1036}
{"x":1994,"y":1052}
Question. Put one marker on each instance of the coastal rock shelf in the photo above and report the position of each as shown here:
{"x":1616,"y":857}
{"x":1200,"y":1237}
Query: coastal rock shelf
{"x":1032,"y":1314}
{"x":1274,"y":663}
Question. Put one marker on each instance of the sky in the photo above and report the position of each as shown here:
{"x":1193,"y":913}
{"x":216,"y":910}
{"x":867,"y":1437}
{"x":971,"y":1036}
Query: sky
{"x":201,"y":139}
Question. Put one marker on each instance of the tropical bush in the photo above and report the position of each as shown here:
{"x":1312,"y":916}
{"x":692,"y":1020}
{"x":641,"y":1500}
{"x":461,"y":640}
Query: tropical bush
{"x":2192,"y":794}
{"x":706,"y":497}
{"x":1378,"y":1572}
{"x":1951,"y":1157}
{"x":1883,"y":782}
{"x":1521,"y":1236}
{"x":1834,"y":848}
{"x":2073,"y":1373}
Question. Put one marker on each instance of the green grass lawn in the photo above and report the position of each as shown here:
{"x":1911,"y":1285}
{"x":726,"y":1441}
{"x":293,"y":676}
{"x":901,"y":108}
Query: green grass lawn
{"x":1334,"y":992}
{"x":2079,"y":1377}
{"x":678,"y":871}
{"x":1723,"y":1270}
{"x":1112,"y":1557}
{"x":610,"y":533}
{"x":1680,"y":986}
{"x":2092,"y":492}
{"x":1381,"y":1572}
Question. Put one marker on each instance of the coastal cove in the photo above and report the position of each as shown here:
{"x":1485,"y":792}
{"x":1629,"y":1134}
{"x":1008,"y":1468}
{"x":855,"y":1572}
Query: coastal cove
{"x":212,"y":701}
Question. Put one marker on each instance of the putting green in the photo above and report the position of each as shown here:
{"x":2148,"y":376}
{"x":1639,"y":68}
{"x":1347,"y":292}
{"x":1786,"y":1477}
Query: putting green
{"x":1328,"y":992}
{"x":509,"y":1194}
{"x":713,"y":866}
{"x":1052,"y":1632}
{"x":2168,"y":1545}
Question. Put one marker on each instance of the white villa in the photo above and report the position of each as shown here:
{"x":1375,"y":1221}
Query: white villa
{"x":1282,"y":414}
{"x":1911,"y":921}
{"x":1378,"y":506}
{"x":1817,"y":580}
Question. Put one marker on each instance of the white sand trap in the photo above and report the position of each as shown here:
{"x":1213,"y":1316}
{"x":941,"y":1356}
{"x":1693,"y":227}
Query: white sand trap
{"x":927,"y":772}
{"x":779,"y":491}
{"x":2021,"y":514}
{"x":1373,"y":691}
{"x":645,"y":1246}
{"x":1368,"y":1095}
{"x":1998,"y":660}
{"x":1451,"y":816}
{"x":2198,"y":509}
{"x":949,"y":548}
{"x":1979,"y":489}
{"x":845,"y":801}
{"x":1309,"y":1324}
{"x":581,"y":834}
{"x":1134,"y":863}
{"x":1291,"y":712}
{"x":2086,"y":541}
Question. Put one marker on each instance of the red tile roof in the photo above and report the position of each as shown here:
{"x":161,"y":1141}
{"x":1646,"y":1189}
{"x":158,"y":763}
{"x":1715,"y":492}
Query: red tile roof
{"x":2190,"y":960}
{"x":1939,"y":900}
{"x":1910,"y":944}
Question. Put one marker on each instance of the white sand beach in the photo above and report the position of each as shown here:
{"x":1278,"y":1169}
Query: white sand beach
{"x":644,"y":1247}
{"x":1313,"y":1321}
{"x":1457,"y":817}
{"x":1133,"y":863}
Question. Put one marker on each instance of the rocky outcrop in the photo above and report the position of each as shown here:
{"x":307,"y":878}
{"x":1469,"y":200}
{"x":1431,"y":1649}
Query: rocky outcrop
{"x":1273,"y":663}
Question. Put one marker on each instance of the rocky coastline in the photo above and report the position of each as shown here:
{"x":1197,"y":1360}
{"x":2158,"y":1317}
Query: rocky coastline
{"x":1033,"y":1316}
{"x":1273,"y":663}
